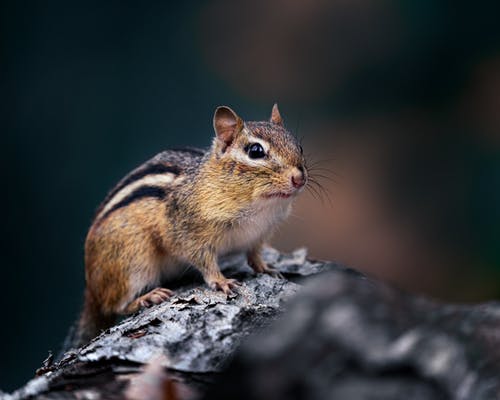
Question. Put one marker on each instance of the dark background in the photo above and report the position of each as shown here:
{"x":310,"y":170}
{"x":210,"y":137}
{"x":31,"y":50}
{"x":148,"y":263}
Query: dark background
{"x":400,"y":101}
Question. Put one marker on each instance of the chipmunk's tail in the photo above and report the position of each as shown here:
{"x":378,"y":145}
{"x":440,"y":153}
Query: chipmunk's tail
{"x":90,"y":324}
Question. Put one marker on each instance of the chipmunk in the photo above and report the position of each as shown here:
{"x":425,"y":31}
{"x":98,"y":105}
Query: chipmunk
{"x":187,"y":207}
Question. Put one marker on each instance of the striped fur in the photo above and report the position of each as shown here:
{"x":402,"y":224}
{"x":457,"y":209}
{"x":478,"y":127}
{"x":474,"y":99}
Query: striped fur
{"x":136,"y":192}
{"x":160,"y":171}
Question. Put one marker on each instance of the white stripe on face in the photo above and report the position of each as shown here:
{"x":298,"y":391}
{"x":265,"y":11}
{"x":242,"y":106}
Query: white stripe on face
{"x":262,"y":142}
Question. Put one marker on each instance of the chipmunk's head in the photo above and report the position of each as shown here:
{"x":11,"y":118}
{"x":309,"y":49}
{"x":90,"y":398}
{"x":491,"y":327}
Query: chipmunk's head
{"x":263,"y":156}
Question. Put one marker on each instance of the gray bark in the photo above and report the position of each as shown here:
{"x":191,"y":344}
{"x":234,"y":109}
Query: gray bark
{"x":349,"y":338}
{"x":333,"y":334}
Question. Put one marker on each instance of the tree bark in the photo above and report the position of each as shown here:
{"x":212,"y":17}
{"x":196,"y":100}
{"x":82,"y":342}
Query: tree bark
{"x":333,"y":334}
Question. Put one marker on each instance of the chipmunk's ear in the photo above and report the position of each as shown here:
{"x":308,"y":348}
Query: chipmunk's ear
{"x":276,"y":116}
{"x":227,"y":124}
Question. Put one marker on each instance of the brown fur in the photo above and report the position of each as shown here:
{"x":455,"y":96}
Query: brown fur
{"x":209,"y":205}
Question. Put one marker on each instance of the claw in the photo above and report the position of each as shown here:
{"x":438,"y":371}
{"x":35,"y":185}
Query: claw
{"x":274,"y":273}
{"x":226,"y":285}
{"x":155,"y":296}
{"x":268,"y":270}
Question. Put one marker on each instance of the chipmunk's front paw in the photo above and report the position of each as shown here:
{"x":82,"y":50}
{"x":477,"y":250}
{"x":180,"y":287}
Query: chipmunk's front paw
{"x":226,"y":285}
{"x":156,"y":296}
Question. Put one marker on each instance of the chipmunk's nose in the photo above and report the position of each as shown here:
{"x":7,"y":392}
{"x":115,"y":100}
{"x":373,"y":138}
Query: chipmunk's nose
{"x":298,"y":177}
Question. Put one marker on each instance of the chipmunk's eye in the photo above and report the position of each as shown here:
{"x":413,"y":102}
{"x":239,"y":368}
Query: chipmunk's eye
{"x":255,"y":150}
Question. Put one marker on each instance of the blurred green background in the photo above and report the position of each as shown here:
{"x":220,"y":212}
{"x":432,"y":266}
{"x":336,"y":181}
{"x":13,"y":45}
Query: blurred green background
{"x":398,"y":100}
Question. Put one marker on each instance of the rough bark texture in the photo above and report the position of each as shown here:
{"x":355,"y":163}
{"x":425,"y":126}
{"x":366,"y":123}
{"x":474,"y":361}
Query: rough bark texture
{"x":351,"y":338}
{"x":342,"y":337}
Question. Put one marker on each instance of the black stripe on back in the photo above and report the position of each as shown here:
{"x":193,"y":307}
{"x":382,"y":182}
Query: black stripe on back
{"x":149,"y":170}
{"x":135,"y":176}
{"x":138,"y":194}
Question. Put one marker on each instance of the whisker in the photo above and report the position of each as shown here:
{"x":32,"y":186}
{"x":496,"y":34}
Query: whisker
{"x":326,"y":174}
{"x":324,"y":192}
{"x":319,"y":185}
{"x":328,"y":178}
{"x":317,"y":193}
{"x":316,"y":168}
{"x":313,"y":192}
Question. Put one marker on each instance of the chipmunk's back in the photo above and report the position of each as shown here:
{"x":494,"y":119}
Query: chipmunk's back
{"x":150,"y":179}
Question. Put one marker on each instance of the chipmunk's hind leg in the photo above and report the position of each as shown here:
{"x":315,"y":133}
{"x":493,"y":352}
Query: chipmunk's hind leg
{"x":155,"y":296}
